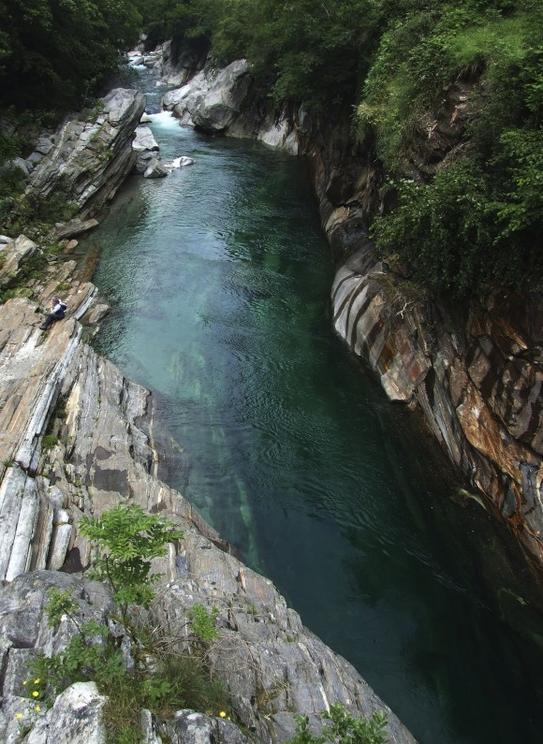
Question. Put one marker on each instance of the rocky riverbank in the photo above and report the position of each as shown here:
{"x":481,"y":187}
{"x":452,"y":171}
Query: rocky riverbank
{"x":78,"y":438}
{"x":474,"y":373}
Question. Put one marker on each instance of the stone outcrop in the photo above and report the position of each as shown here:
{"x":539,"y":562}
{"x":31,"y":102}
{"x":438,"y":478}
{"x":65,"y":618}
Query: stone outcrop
{"x":78,"y":438}
{"x":146,"y":148}
{"x":474,"y":373}
{"x":212,"y":99}
{"x":477,"y":382}
{"x":14,"y":256}
{"x":90,"y":159}
{"x":223,"y":101}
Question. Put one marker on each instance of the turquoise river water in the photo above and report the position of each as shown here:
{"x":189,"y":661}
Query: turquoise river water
{"x":219,"y":279}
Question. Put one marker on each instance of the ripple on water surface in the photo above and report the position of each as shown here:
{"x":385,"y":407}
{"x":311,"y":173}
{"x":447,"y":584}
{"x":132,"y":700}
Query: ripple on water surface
{"x":219,"y":278}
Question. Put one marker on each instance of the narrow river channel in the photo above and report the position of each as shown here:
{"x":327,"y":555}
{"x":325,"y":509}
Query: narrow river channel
{"x":219,"y":279}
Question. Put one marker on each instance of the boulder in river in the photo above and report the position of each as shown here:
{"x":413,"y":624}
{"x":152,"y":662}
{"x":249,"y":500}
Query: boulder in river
{"x":146,"y":148}
{"x":212,"y":100}
{"x":181,"y":162}
{"x":144,"y":140}
{"x":155,"y":169}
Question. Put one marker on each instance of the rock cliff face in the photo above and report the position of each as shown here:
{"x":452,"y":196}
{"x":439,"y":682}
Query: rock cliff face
{"x":475,"y":375}
{"x":90,"y":159}
{"x":78,"y":438}
{"x":476,"y":372}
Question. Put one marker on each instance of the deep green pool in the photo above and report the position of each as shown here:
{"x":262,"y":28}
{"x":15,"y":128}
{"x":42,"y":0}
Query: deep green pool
{"x":219,"y":278}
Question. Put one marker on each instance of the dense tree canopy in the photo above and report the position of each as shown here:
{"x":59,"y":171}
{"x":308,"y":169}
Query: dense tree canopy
{"x":54,"y":53}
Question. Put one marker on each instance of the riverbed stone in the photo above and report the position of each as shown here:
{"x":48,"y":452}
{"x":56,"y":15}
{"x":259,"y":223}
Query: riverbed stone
{"x":155,"y":169}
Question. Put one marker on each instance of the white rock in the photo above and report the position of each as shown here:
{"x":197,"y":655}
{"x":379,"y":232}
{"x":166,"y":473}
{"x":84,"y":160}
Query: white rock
{"x":75,"y":718}
{"x":155,"y":169}
{"x":213,"y":99}
{"x":280,"y":136}
{"x":181,"y":162}
{"x":144,"y":140}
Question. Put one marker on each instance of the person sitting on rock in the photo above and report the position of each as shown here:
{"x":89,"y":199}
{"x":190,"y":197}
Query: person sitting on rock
{"x":58,"y":311}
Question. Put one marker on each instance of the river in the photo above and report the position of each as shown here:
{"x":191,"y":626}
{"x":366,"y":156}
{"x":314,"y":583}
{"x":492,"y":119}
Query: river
{"x":219,"y":279}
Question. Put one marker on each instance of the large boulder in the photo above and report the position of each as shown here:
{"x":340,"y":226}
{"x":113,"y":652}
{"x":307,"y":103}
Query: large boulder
{"x":144,"y":140}
{"x":213,"y":99}
{"x":90,"y":159}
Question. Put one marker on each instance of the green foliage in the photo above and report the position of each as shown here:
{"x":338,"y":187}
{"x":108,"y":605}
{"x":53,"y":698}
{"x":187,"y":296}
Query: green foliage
{"x":173,"y":681}
{"x":204,"y":623}
{"x":59,"y":603}
{"x":478,"y":222}
{"x":49,"y":441}
{"x":343,"y":728}
{"x":301,"y":51}
{"x":127,"y":539}
{"x":469,"y":228}
{"x":61,"y":51}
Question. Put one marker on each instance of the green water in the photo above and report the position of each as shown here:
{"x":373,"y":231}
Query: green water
{"x":219,"y":279}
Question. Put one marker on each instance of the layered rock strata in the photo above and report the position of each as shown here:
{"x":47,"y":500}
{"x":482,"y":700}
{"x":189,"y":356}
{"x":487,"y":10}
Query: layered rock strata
{"x":91,"y":158}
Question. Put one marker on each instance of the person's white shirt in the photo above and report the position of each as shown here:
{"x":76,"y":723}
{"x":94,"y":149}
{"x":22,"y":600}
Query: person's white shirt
{"x":59,"y":306}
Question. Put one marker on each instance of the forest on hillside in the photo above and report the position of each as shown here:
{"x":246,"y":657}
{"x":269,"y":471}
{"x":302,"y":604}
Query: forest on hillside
{"x":383,"y":63}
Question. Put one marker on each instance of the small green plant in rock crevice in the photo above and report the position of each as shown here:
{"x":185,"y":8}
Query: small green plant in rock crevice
{"x":127,"y":539}
{"x":341,"y":727}
{"x":162,"y":680}
{"x":204,"y":623}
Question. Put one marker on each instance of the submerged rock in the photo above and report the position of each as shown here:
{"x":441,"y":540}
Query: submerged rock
{"x":181,"y":162}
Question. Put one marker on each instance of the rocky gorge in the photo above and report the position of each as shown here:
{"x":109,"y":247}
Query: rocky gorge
{"x":78,"y":438}
{"x":473,"y":373}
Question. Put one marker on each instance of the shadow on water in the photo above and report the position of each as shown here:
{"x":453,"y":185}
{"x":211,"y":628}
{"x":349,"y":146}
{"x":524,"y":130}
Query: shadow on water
{"x":219,"y":279}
